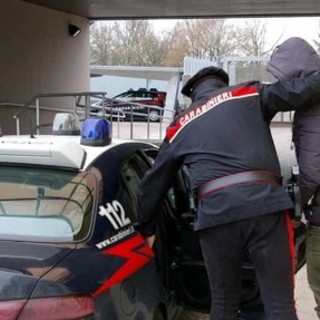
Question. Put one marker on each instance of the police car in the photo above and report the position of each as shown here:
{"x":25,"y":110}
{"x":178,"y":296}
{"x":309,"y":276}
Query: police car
{"x":137,"y":105}
{"x":69,"y":245}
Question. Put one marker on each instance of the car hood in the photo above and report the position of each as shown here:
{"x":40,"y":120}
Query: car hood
{"x":22,"y":265}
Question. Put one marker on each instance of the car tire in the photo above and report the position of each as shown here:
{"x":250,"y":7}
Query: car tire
{"x":154,"y":115}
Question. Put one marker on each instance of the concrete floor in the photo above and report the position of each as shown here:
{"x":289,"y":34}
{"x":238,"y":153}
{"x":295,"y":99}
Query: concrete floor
{"x":303,"y":295}
{"x":304,"y":299}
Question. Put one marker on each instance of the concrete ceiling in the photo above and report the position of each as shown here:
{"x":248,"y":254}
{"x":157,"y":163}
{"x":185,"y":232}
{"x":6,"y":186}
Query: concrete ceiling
{"x":148,"y":9}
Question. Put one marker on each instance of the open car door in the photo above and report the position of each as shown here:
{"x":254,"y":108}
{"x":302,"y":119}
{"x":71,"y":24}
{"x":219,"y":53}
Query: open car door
{"x":179,"y":256}
{"x":191,"y":283}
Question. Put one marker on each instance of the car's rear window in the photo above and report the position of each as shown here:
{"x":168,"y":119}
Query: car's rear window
{"x":45,"y":205}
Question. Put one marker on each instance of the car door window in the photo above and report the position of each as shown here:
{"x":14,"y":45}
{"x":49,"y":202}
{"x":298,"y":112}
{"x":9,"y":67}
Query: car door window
{"x":132,"y":172}
{"x":170,"y":194}
{"x":179,"y":195}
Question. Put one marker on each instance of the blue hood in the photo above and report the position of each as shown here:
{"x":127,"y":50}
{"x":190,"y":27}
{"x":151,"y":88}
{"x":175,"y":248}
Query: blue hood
{"x":294,"y":58}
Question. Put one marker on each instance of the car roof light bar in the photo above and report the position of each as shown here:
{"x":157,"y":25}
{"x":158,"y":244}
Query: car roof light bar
{"x":66,"y":124}
{"x":96,"y":132}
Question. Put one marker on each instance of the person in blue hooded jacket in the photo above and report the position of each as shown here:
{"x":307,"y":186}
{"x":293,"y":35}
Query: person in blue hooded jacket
{"x":296,"y":58}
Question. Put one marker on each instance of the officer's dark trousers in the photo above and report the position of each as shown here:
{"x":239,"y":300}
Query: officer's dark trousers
{"x":268,"y":240}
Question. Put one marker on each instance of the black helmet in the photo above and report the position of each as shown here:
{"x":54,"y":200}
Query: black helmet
{"x":208,"y":72}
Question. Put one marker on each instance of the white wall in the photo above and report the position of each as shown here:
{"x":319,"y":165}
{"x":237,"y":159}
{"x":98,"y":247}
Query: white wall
{"x":37,"y":55}
{"x":113,"y":85}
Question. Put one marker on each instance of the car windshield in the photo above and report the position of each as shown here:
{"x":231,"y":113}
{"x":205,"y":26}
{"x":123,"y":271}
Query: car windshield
{"x":127,"y":95}
{"x":45,"y":205}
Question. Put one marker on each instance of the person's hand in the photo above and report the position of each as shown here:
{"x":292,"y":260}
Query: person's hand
{"x":296,"y":223}
{"x":150,"y":240}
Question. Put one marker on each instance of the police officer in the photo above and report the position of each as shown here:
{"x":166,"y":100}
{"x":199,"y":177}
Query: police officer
{"x":224,"y":140}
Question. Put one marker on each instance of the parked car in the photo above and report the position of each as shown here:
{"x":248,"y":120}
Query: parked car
{"x":69,"y":245}
{"x":139,"y":105}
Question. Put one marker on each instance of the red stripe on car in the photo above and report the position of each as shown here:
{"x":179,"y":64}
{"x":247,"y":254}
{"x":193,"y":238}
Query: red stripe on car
{"x":137,"y":253}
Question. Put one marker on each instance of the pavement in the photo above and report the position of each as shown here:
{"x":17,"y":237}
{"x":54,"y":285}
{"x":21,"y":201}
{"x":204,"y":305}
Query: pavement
{"x":304,"y":299}
{"x":303,"y":295}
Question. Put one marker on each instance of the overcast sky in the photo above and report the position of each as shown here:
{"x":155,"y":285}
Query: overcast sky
{"x":307,"y":28}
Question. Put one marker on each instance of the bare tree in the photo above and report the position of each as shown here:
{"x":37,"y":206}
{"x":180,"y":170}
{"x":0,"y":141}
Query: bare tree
{"x":131,"y":43}
{"x":209,"y":38}
{"x":135,"y":43}
{"x":101,"y":43}
{"x":176,"y":46}
{"x":252,"y":40}
{"x":201,"y":38}
{"x":155,"y":49}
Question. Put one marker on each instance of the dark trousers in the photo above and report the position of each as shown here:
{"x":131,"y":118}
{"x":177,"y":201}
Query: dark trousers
{"x":268,"y":240}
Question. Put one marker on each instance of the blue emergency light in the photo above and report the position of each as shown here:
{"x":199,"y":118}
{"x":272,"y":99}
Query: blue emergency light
{"x":96,"y":132}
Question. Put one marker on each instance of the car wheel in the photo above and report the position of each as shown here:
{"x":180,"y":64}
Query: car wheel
{"x":154,"y":115}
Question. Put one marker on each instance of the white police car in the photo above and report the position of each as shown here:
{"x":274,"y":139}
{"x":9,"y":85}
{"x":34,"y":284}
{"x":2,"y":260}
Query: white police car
{"x":69,"y":248}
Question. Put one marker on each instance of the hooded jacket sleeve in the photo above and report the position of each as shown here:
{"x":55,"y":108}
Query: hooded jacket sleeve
{"x":307,"y":145}
{"x":298,"y":93}
{"x":154,"y":186}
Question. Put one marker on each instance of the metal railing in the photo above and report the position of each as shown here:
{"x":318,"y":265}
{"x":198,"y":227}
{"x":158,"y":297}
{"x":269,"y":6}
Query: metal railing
{"x":128,"y":123}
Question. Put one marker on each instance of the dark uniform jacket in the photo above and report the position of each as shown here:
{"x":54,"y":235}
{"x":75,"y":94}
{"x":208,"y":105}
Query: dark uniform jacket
{"x":296,"y":58}
{"x":225,"y":131}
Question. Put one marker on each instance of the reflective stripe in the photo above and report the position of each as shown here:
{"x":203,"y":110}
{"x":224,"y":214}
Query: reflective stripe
{"x":198,"y":111}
